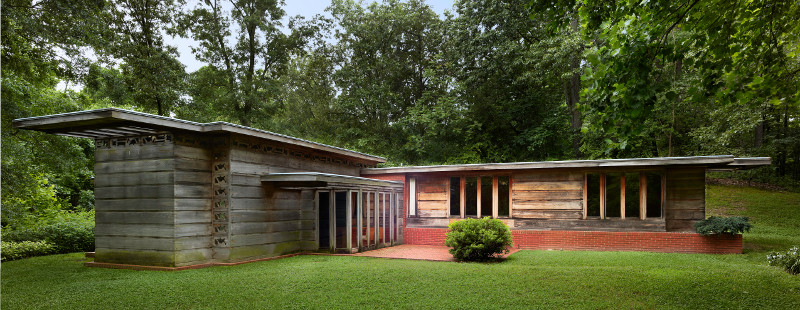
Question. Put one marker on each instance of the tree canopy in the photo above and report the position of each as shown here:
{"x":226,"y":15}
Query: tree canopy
{"x":487,"y":81}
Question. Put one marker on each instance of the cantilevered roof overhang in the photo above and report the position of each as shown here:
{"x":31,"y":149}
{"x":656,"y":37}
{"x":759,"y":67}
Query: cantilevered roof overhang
{"x":325,"y":180}
{"x":114,"y":123}
{"x":718,"y":162}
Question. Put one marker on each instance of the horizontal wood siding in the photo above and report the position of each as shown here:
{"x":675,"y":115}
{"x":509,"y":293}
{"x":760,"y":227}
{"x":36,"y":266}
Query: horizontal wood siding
{"x":548,"y":195}
{"x":685,"y":198}
{"x":134,"y":204}
{"x":267,"y":221}
{"x":432,"y":197}
{"x":193,"y":204}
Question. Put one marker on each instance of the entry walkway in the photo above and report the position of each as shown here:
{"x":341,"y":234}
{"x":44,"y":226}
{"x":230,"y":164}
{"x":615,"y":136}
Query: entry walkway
{"x":419,"y":252}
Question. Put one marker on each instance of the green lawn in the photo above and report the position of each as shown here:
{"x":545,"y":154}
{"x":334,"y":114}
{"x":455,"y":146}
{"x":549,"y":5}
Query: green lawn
{"x":528,"y":279}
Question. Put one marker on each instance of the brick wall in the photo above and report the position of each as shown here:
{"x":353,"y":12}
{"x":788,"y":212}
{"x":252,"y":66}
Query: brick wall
{"x":600,"y":241}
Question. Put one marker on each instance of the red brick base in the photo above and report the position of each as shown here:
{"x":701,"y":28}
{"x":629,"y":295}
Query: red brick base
{"x":670,"y":242}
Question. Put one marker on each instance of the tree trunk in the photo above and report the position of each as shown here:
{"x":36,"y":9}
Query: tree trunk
{"x":572,"y":89}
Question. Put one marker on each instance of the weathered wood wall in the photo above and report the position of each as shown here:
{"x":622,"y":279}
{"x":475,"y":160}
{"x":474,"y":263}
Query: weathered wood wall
{"x":267,"y":221}
{"x":432,"y":204}
{"x":193,"y":203}
{"x":547,"y":195}
{"x":134,"y":201}
{"x":685,"y":198}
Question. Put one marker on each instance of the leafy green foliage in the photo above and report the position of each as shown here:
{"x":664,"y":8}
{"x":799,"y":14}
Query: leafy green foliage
{"x":789,"y":260}
{"x":10,"y":250}
{"x":478,"y":239}
{"x":241,"y":82}
{"x":723,"y":225}
{"x":66,"y":233}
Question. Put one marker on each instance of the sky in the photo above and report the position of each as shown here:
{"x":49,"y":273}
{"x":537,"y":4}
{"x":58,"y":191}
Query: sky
{"x":305,"y":8}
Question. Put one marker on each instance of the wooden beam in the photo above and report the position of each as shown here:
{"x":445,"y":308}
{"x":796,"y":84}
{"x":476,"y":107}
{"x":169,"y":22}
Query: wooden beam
{"x":463,"y":200}
{"x":478,"y":179}
{"x":642,"y":196}
{"x":412,"y":197}
{"x":602,"y":195}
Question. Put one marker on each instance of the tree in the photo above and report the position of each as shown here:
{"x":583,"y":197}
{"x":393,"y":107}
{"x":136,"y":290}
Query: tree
{"x":149,"y":68}
{"x":383,"y":52}
{"x":240,"y":82}
{"x":41,"y":45}
{"x":512,"y":84}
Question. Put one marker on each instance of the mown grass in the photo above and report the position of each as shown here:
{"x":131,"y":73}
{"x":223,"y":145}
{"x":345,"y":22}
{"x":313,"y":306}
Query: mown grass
{"x":527,"y":279}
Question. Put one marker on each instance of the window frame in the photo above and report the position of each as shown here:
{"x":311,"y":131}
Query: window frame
{"x":495,"y":195}
{"x":642,"y":193}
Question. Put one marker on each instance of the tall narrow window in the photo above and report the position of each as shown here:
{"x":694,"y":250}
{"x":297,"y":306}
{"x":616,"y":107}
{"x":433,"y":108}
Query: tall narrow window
{"x":486,"y":196}
{"x":471,"y":196}
{"x":631,"y":195}
{"x":593,"y":195}
{"x":613,"y":198}
{"x":455,"y":196}
{"x":503,"y":201}
{"x":653,"y":194}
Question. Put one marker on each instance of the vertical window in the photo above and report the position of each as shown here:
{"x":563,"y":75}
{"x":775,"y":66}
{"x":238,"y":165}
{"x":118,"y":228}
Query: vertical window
{"x":653,"y":194}
{"x":593,"y":195}
{"x":632,"y":195}
{"x":503,"y":199}
{"x":471,"y":196}
{"x":455,"y":196}
{"x":486,"y":196}
{"x":613,"y":197}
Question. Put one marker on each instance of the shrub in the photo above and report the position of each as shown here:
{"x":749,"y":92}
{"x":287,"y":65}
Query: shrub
{"x":723,"y":225}
{"x":65,"y":237}
{"x":16,"y":250}
{"x":478,"y":239}
{"x":789,"y":260}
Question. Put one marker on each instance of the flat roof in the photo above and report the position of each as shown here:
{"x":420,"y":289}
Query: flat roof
{"x":318,"y":179}
{"x":114,"y":122}
{"x":717,"y":162}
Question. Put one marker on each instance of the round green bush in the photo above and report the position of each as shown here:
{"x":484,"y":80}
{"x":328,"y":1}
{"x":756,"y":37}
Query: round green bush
{"x":478,"y":239}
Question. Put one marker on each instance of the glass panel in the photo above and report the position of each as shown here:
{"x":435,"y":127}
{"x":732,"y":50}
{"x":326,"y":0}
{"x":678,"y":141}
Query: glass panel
{"x":593,"y":195}
{"x":613,"y":197}
{"x":324,"y":220}
{"x":455,"y":196}
{"x":631,"y":195}
{"x":653,"y":194}
{"x":471,"y":193}
{"x":341,"y":219}
{"x":503,"y":201}
{"x":486,"y":196}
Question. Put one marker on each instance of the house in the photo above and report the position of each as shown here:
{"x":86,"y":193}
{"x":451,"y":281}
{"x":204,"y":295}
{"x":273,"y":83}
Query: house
{"x":175,"y":193}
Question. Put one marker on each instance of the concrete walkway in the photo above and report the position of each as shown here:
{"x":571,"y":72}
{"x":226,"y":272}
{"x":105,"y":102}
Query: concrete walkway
{"x":420,"y":252}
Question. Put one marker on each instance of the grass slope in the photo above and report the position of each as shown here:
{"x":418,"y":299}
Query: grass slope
{"x":528,"y":279}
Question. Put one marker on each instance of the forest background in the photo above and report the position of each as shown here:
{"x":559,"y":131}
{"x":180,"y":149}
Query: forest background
{"x":487,"y":81}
